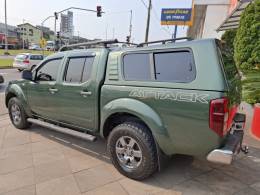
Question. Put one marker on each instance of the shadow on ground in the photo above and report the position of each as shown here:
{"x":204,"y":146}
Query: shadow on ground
{"x":181,"y":174}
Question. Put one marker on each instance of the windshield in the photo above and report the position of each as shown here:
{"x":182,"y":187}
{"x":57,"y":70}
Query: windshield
{"x":50,"y":44}
{"x":21,"y":57}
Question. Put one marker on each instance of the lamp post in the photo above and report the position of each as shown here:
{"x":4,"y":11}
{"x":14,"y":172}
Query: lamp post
{"x":42,"y":24}
{"x":6,"y":31}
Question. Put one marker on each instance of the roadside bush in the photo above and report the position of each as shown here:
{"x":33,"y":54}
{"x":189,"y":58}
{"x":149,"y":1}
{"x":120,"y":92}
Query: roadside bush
{"x":247,"y":40}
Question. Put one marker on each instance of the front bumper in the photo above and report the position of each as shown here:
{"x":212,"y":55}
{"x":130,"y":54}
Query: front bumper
{"x":233,"y":143}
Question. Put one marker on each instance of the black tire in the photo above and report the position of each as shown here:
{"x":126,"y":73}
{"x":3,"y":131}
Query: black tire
{"x":22,"y":122}
{"x":20,"y":70}
{"x":141,"y":134}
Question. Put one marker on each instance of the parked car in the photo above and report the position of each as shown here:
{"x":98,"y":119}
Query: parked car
{"x":147,"y":101}
{"x":35,"y":47}
{"x":1,"y":79}
{"x":27,"y":61}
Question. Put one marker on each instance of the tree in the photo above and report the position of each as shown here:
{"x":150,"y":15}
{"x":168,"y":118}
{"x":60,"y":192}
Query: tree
{"x":227,"y":42}
{"x":247,"y":40}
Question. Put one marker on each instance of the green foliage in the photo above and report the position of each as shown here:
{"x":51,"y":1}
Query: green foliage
{"x":251,"y":87}
{"x":227,"y":50}
{"x":247,"y":41}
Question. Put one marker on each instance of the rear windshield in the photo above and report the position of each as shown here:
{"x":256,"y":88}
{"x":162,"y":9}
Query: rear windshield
{"x":227,"y":60}
{"x":21,"y":57}
{"x":36,"y":57}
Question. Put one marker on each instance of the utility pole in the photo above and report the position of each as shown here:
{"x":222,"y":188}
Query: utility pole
{"x":6,"y":31}
{"x":148,"y":21}
{"x":174,"y":34}
{"x":130,"y":25}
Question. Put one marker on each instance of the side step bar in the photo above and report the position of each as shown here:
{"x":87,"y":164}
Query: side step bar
{"x":62,"y":129}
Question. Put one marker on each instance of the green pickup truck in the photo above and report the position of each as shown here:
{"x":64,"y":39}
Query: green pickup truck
{"x":149,"y":100}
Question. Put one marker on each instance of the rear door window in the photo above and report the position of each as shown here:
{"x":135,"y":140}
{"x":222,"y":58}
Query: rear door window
{"x":137,"y":67}
{"x":174,"y":67}
{"x":74,"y":70}
{"x":87,"y":69}
{"x":78,"y":69}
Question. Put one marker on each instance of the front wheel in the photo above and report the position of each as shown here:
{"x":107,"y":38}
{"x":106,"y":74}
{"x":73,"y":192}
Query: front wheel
{"x":17,"y":114}
{"x":133,"y":150}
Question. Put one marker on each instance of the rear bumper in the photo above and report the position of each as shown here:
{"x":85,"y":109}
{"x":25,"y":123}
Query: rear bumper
{"x":21,"y":66}
{"x":233,"y":143}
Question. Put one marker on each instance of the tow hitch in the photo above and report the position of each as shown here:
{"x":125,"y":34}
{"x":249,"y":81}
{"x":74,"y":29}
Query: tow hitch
{"x":245,"y":149}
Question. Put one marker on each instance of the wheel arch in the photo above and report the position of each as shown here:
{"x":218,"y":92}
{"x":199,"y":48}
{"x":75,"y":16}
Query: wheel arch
{"x":15,"y":91}
{"x":118,"y":111}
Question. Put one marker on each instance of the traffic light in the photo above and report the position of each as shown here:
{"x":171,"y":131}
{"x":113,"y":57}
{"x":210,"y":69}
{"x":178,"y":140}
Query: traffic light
{"x":128,"y":39}
{"x":56,"y":15}
{"x":99,"y":11}
{"x":58,"y":35}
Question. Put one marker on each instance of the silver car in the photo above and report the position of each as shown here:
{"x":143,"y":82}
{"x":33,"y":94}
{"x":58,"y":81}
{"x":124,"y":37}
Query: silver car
{"x":27,"y":61}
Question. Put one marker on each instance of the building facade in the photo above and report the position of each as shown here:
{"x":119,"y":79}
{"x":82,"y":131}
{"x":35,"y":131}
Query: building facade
{"x":66,"y":25}
{"x":213,"y":17}
{"x":29,"y":34}
{"x":209,"y":14}
{"x":12,"y":35}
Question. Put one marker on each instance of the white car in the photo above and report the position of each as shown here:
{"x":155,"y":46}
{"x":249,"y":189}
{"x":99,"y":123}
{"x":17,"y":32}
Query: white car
{"x":27,"y":61}
{"x":35,"y":47}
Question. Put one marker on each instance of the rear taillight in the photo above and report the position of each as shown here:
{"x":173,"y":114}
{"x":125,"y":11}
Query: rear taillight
{"x":218,"y":115}
{"x":26,"y":61}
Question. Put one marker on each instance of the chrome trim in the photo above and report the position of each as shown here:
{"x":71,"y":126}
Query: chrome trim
{"x":221,"y":156}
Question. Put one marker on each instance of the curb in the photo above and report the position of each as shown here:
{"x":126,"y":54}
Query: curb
{"x":6,"y":67}
{"x":256,"y":121}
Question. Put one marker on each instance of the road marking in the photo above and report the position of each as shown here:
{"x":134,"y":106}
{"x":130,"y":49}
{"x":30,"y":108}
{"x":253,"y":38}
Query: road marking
{"x":3,"y":73}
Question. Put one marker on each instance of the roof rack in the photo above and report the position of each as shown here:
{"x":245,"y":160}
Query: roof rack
{"x":102,"y":43}
{"x":164,"y":41}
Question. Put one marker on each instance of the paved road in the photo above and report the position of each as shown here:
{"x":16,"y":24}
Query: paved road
{"x":9,"y":75}
{"x":6,"y":57}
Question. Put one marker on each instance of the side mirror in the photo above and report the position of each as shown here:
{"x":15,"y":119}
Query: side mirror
{"x":27,"y":75}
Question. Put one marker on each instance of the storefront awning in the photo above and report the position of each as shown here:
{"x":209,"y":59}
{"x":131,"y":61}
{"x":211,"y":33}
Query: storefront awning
{"x":232,"y":21}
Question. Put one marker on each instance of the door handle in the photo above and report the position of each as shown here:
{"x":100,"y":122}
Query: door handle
{"x":53,"y":90}
{"x":85,"y":93}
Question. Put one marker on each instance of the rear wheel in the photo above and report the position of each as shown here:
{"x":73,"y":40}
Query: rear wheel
{"x":20,"y":70}
{"x":17,"y":114}
{"x":133,"y":150}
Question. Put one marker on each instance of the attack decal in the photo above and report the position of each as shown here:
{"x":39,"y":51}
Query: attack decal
{"x":168,"y":95}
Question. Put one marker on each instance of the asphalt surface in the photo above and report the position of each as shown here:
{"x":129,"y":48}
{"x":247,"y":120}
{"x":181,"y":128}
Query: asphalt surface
{"x":9,"y":75}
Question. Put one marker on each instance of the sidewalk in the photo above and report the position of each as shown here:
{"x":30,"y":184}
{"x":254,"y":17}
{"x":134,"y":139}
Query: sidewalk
{"x":43,"y":162}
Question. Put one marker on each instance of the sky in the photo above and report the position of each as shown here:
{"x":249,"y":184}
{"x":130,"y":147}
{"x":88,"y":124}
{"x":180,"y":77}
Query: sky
{"x":113,"y":24}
